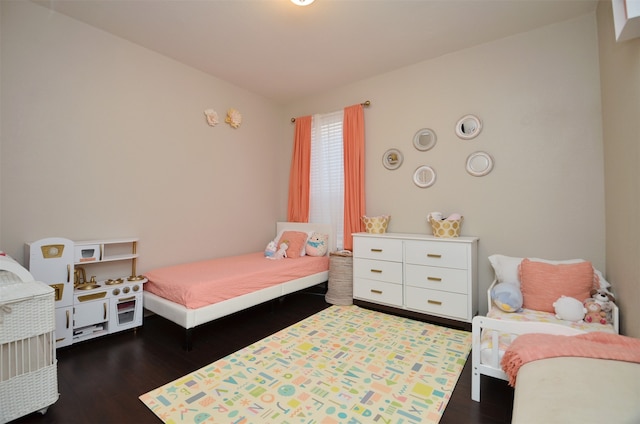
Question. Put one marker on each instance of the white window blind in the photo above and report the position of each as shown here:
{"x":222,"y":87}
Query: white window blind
{"x":326,"y":191}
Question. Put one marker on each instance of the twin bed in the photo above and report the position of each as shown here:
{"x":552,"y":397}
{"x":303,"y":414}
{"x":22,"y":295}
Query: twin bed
{"x":197,"y":293}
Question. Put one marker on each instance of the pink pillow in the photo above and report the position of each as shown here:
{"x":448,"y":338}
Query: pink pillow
{"x":542,"y":284}
{"x":296,"y":241}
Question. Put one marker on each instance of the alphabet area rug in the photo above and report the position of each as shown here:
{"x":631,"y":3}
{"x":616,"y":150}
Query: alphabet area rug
{"x":345,"y":364}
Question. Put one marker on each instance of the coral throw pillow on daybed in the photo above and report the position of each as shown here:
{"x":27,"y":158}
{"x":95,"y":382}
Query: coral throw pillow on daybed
{"x":542,"y":284}
{"x":296,"y":240}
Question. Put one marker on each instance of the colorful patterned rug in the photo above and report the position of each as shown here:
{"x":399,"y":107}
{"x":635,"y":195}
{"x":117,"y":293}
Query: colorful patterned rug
{"x":345,"y":364}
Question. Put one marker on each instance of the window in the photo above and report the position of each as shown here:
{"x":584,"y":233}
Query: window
{"x":326,"y":179}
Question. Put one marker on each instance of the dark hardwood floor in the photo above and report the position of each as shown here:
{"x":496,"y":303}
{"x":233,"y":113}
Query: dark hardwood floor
{"x":100,"y":380}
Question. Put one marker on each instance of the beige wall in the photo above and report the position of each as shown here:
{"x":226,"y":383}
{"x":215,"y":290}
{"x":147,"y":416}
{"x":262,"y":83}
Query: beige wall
{"x":620,"y":80}
{"x":539,"y":98}
{"x":102,"y":138}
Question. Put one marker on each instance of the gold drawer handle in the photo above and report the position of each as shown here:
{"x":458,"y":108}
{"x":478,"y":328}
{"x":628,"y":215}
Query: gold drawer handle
{"x":433,"y":255}
{"x":377,"y":271}
{"x":377,"y":250}
{"x":93,"y":296}
{"x":434,"y":279}
{"x":376,"y":291}
{"x":434,"y":302}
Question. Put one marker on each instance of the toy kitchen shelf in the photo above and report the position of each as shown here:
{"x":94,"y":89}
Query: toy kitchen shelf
{"x":100,"y":251}
{"x":110,"y":301}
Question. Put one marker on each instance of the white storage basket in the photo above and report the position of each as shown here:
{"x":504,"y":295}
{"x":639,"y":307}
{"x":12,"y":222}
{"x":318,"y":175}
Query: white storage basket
{"x":27,"y":309}
{"x":28,"y":366}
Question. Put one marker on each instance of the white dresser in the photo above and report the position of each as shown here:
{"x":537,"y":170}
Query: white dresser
{"x":417,"y":273}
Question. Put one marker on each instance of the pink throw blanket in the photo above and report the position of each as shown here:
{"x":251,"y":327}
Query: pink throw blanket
{"x":534,"y":346}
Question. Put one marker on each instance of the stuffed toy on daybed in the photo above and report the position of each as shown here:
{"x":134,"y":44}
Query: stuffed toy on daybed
{"x":605,"y":300}
{"x":569,"y":309}
{"x":595,"y":313}
{"x":507,"y":296}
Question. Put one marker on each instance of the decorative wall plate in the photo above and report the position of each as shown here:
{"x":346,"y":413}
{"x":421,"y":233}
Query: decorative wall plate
{"x":392,"y":159}
{"x":468,"y":127}
{"x":424,"y":176}
{"x":424,"y":139}
{"x":479,"y":164}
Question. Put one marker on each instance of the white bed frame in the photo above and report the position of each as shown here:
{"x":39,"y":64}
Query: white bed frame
{"x":191,"y":318}
{"x":514,"y":329}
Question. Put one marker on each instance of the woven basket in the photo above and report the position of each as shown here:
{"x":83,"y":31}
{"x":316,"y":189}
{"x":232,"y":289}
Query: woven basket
{"x":30,"y":392}
{"x":29,"y":309}
{"x":446,"y":228}
{"x":340,"y":290}
{"x":376,"y":224}
{"x":28,"y":366}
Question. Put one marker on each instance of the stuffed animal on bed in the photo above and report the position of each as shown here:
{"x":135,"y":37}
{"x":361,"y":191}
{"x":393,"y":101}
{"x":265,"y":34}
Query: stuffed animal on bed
{"x":595,"y":312}
{"x":507,"y":296}
{"x":282,"y":251}
{"x":569,"y":309}
{"x":605,"y":299}
{"x":271,"y":249}
{"x":317,"y":244}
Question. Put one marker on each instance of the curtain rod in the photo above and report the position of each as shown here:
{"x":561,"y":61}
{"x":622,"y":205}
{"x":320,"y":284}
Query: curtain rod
{"x":365,"y":104}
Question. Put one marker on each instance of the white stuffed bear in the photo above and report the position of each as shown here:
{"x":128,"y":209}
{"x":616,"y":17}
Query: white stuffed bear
{"x":270,"y":250}
{"x":282,"y":251}
{"x":569,"y":309}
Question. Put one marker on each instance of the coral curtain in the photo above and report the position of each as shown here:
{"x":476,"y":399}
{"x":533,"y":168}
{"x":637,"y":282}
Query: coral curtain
{"x":354,"y":200}
{"x":298,"y":206}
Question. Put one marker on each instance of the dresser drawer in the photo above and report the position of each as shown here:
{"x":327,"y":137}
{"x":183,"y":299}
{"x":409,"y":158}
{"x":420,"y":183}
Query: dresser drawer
{"x":377,"y":291}
{"x":436,"y":253}
{"x":377,"y":248}
{"x":437,"y":302}
{"x":431,"y":277}
{"x":378,"y":270}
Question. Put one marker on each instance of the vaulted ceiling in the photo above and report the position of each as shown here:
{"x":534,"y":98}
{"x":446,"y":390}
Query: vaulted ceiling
{"x":285,"y":52}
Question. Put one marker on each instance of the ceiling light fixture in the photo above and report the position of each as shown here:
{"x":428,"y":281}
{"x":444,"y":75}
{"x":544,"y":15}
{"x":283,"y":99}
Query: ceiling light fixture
{"x":302,"y":2}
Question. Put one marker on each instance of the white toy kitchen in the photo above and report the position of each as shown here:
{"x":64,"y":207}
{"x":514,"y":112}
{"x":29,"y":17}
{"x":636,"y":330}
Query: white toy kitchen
{"x":93,"y":297}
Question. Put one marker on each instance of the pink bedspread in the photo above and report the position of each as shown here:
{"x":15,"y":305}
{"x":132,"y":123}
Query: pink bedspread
{"x":203,"y":283}
{"x":534,"y":346}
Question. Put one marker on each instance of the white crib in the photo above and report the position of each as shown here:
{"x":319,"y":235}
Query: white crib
{"x":28,"y":366}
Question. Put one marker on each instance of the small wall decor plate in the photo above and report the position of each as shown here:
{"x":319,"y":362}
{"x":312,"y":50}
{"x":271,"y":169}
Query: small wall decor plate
{"x":479,"y":164}
{"x":424,"y":139}
{"x":392,"y":159}
{"x":424,"y":176}
{"x":468,"y":127}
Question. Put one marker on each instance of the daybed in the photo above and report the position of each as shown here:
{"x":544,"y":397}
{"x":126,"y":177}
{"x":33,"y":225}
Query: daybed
{"x":492,"y":334}
{"x":249,"y":287}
